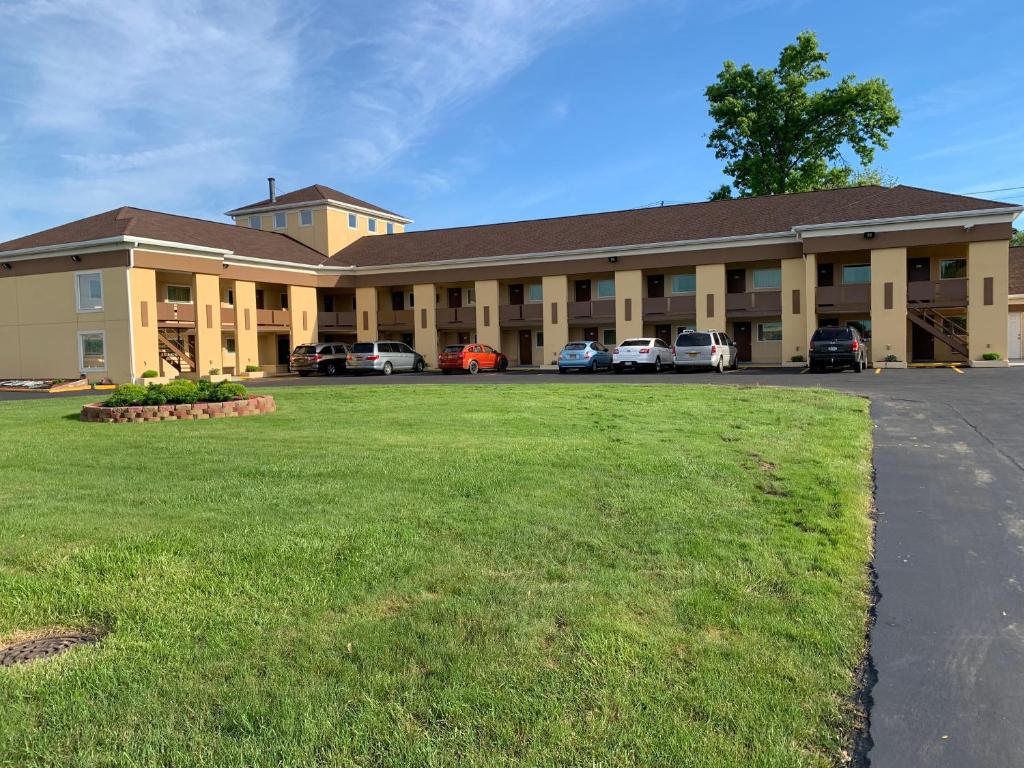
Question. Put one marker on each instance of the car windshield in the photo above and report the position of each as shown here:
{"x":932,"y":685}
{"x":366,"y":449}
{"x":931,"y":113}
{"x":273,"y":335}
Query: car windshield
{"x":694,"y":340}
{"x":453,"y":348}
{"x":636,"y":343}
{"x":363,"y":346}
{"x":576,"y":345}
{"x":305,"y":349}
{"x":832,"y":334}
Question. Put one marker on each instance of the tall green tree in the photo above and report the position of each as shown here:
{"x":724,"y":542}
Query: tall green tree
{"x":776,"y":135}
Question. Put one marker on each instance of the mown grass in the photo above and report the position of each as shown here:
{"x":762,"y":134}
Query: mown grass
{"x":591,"y":575}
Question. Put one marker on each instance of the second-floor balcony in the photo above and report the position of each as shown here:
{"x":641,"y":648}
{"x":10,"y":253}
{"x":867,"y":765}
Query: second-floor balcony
{"x":456,"y":317}
{"x":760,"y":303}
{"x":395,"y":319}
{"x":273,"y":318}
{"x":844,"y":298}
{"x":345,"y":320}
{"x":670,"y":306}
{"x":521,"y":314}
{"x":938,"y":293}
{"x":602,"y":310}
{"x":175,"y":314}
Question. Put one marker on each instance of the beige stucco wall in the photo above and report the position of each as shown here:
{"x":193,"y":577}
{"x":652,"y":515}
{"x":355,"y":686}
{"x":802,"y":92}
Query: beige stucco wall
{"x":986,"y":325}
{"x":303,"y":313}
{"x":556,"y":334}
{"x":329,"y":232}
{"x":209,"y":345}
{"x":366,"y":313}
{"x":794,"y":324}
{"x":247,"y":350}
{"x":487,"y":296}
{"x":144,"y":320}
{"x":629,"y":285}
{"x":425,"y":321}
{"x":889,"y":326}
{"x":711,"y":281}
{"x":39,"y":326}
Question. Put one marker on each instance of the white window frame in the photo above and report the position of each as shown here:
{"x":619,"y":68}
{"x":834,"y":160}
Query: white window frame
{"x":78,"y":291}
{"x":538,"y":339}
{"x":371,"y":224}
{"x":753,"y":278}
{"x":946,"y":261}
{"x":302,"y":216}
{"x":390,"y":227}
{"x":529,"y":298}
{"x":672,"y":280}
{"x":760,"y":333}
{"x":81,"y":355}
{"x":283,"y":218}
{"x":470,"y":297}
{"x":255,"y":222}
{"x":167,"y":293}
{"x":353,"y":221}
{"x":597,"y":288}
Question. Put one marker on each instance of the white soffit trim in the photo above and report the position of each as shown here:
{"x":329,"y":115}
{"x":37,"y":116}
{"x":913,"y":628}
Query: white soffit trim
{"x":921,"y":221}
{"x":314,"y":203}
{"x":62,"y":249}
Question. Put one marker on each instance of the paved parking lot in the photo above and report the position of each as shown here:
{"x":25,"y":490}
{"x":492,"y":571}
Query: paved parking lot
{"x":948,"y":643}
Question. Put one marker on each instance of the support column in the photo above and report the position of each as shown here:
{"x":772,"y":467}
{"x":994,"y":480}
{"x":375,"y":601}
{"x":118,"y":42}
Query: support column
{"x":488,"y":328}
{"x":206,"y":300}
{"x":710,"y":297}
{"x":366,"y":313}
{"x":810,"y":296}
{"x":556,"y":317}
{"x":889,"y":304}
{"x":794,"y":309}
{"x":303,"y":311}
{"x":145,"y":346}
{"x":247,"y":347}
{"x":425,"y":321}
{"x":987,"y":298}
{"x":629,"y":303}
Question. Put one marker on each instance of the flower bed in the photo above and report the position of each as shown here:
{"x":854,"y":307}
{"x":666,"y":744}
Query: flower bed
{"x":253,"y":405}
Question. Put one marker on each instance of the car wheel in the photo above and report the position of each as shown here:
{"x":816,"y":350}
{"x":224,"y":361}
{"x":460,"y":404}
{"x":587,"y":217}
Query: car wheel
{"x":502,"y":365}
{"x":735,"y":362}
{"x":388,"y":369}
{"x":474,"y":367}
{"x":617,"y":369}
{"x":657,"y":365}
{"x":331,"y":369}
{"x":857,"y":366}
{"x":418,"y":366}
{"x":561,"y":370}
{"x":593,"y":367}
{"x":721,"y":365}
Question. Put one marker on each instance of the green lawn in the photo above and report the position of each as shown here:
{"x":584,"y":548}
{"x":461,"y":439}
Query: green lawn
{"x":591,"y":575}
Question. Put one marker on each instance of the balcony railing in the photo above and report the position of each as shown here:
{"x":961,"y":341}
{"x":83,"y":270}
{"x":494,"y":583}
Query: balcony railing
{"x":175,"y":313}
{"x":754,"y":303}
{"x":670,"y":306}
{"x":603,"y":309}
{"x":844,"y":298}
{"x":521,"y":314}
{"x":456,"y":317}
{"x":395,"y":318}
{"x":336,"y":319}
{"x":938,"y":293}
{"x":273,"y":318}
{"x":227,"y":315}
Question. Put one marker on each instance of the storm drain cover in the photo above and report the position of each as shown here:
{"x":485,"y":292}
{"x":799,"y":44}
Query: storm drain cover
{"x":41,"y":648}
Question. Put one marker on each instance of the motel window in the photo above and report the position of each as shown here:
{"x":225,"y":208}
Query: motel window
{"x":371,"y":225}
{"x":606,"y":289}
{"x":254,"y":222}
{"x":856,"y":274}
{"x":767,"y":279}
{"x":539,"y":339}
{"x":535,"y":292}
{"x":89,"y":291}
{"x":229,"y":344}
{"x":952,"y":269}
{"x":280,"y":220}
{"x":769,"y":331}
{"x":306,"y":218}
{"x":412,"y":300}
{"x":391,"y":227}
{"x":608,"y":336}
{"x":470,"y":297}
{"x":353,"y":221}
{"x":179,"y":294}
{"x":684,"y":283}
{"x":284,"y":300}
{"x":862,"y":326}
{"x":92,"y":351}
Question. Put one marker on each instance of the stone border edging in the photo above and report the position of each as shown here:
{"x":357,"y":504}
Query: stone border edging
{"x":254,"y":405}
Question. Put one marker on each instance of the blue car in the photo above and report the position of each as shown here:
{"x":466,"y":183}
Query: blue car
{"x":584,"y":355}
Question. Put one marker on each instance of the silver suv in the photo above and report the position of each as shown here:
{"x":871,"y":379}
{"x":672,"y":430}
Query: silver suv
{"x":326,"y":357}
{"x":384,"y":357}
{"x":704,"y":349}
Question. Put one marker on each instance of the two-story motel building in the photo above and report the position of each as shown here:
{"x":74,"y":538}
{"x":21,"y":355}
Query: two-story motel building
{"x":924,"y":274}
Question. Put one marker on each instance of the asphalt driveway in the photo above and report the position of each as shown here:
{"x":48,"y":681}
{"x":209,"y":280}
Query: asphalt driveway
{"x":948,"y":642}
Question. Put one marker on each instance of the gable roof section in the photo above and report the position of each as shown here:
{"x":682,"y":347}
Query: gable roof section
{"x":317,"y":193}
{"x":1016,"y":270}
{"x":138,"y":222}
{"x":672,"y":223}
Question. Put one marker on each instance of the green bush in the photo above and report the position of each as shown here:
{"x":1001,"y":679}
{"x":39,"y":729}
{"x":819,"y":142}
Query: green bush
{"x":891,"y":359}
{"x":223,"y":390}
{"x":150,"y":374}
{"x":126,"y":394}
{"x":991,"y":356}
{"x":796,"y":359}
{"x":251,"y":368}
{"x":215,"y":371}
{"x":155,"y":395}
{"x":181,"y":391}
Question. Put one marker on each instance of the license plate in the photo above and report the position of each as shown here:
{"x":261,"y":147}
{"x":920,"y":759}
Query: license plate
{"x":628,"y":362}
{"x":833,"y":349}
{"x":693,"y":354}
{"x":573,"y":357}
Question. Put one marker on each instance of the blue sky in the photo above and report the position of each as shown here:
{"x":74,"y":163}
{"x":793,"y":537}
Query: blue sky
{"x":459,"y":112}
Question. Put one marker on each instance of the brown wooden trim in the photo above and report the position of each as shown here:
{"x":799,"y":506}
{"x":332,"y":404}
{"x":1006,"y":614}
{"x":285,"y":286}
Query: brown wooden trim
{"x":796,"y":301}
{"x":54,"y":264}
{"x":711,"y":305}
{"x":627,"y":308}
{"x":423,"y":318}
{"x":366,"y":320}
{"x":209,"y":315}
{"x":144,"y":313}
{"x":888,"y":296}
{"x":246,"y":313}
{"x":554,"y":313}
{"x":487,"y":316}
{"x":990,"y":286}
{"x":905,"y":238}
{"x":305,"y":321}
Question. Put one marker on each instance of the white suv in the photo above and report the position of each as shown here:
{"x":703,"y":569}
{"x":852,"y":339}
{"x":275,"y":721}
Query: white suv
{"x":704,"y":349}
{"x":640,"y":353}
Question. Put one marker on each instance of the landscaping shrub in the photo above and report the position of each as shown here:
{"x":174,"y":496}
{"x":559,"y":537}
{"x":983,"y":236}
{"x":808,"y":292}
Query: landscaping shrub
{"x":229,"y":390}
{"x":796,"y":359}
{"x":126,"y":394}
{"x":150,"y":374}
{"x":991,"y":356}
{"x":182,"y":391}
{"x":155,"y":395}
{"x":251,"y":368}
{"x":215,"y":371}
{"x":891,"y":359}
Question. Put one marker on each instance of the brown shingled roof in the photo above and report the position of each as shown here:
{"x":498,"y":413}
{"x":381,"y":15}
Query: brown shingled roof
{"x":255,"y":243}
{"x":314,"y":194}
{"x":671,"y":223}
{"x":1017,"y":270}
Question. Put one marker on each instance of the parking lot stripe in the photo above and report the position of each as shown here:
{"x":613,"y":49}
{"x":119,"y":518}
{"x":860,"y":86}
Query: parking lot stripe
{"x":877,"y":371}
{"x":957,"y":370}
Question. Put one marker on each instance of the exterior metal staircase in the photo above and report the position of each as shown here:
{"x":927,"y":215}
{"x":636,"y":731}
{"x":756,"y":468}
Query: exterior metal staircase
{"x":945,"y":329}
{"x":172,"y":352}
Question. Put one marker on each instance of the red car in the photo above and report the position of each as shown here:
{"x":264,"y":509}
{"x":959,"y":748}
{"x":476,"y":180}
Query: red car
{"x":471,"y":357}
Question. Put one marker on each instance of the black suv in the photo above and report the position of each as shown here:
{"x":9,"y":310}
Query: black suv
{"x":837,"y":348}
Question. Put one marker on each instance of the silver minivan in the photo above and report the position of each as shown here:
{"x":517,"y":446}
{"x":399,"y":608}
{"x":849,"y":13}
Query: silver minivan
{"x":704,"y":349}
{"x":384,"y":357}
